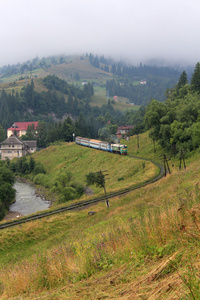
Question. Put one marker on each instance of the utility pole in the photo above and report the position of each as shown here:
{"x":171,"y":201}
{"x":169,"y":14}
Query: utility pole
{"x":104,"y":187}
{"x":138,"y":146}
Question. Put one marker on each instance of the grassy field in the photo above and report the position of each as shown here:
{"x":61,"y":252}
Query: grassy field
{"x":16,"y":86}
{"x":122,"y":171}
{"x":68,"y":71}
{"x":145,"y":246}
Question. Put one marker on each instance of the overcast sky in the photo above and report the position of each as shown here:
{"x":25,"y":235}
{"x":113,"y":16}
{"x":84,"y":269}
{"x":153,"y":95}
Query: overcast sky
{"x":136,"y":30}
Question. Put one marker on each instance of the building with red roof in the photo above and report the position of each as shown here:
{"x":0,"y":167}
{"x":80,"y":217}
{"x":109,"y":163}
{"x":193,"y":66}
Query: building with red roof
{"x":20,"y":128}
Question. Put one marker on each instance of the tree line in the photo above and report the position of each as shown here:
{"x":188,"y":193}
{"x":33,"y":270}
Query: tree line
{"x":7,"y":192}
{"x":127,"y":78}
{"x":30,"y":104}
{"x":176,"y":122}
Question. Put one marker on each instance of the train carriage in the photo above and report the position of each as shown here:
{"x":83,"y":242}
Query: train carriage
{"x":114,"y":148}
{"x":95,"y":144}
{"x":83,"y":141}
{"x":105,"y":146}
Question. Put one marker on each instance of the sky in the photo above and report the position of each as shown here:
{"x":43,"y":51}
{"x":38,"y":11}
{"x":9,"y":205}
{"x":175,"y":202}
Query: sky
{"x":131,"y":30}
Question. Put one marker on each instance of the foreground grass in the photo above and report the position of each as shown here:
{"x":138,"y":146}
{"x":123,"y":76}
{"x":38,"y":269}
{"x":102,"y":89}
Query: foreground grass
{"x":146,"y":246}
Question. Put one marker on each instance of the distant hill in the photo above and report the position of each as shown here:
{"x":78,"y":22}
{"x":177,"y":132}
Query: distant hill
{"x":136,"y":84}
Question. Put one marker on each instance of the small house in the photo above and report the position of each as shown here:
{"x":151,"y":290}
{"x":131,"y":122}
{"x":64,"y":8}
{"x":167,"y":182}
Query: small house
{"x":13,"y":147}
{"x":123,"y":131}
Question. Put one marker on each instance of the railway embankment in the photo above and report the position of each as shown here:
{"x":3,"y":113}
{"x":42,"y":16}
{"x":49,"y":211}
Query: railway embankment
{"x":81,"y":204}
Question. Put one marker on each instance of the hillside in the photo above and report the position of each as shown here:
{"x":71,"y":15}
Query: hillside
{"x":121,"y":171}
{"x":109,"y":78}
{"x":146,"y":246}
{"x":75,"y":71}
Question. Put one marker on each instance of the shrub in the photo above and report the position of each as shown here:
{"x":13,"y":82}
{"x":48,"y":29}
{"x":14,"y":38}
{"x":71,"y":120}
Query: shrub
{"x":41,"y":179}
{"x":68,"y":193}
{"x":39,"y":169}
{"x":120,"y":179}
{"x":78,"y":187}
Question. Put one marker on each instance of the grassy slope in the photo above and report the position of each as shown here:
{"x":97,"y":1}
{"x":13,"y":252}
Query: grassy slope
{"x":144,"y":247}
{"x":82,"y":160}
{"x":67,"y":72}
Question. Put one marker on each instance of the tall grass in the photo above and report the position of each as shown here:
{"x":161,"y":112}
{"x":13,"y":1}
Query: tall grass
{"x":153,"y":233}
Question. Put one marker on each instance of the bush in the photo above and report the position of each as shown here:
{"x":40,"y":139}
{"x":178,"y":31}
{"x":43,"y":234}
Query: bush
{"x":120,"y":179}
{"x":41,"y":179}
{"x":78,"y":187}
{"x":39,"y":169}
{"x":68,"y":193}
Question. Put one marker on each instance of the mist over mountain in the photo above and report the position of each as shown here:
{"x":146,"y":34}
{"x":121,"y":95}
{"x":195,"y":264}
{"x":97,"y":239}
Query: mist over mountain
{"x":133,"y":31}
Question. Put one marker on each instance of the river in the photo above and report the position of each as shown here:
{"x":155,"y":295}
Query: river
{"x":27,"y":202}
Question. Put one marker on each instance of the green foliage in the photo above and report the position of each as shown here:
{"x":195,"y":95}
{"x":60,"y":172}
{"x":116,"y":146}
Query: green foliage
{"x":176,"y":121}
{"x":96,"y":178}
{"x":107,"y":133}
{"x":38,"y":169}
{"x":24,"y":166}
{"x":120,"y":178}
{"x":6,"y":175}
{"x":2,"y":134}
{"x":78,"y":187}
{"x":66,"y":188}
{"x":158,"y":79}
{"x":7,"y":193}
{"x":41,"y":179}
{"x":30,"y":134}
{"x":31,"y":164}
{"x":195,"y":81}
{"x":182,"y":80}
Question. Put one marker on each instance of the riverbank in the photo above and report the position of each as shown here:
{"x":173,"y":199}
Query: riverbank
{"x":11,"y":215}
{"x":28,"y":199}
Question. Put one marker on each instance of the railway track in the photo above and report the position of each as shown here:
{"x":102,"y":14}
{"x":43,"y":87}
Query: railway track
{"x":83,"y":204}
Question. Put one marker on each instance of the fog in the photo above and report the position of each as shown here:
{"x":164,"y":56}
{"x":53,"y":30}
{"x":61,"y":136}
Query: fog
{"x":131,"y":30}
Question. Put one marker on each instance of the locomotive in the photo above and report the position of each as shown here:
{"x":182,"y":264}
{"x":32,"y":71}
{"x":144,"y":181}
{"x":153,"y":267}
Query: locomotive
{"x":114,"y":148}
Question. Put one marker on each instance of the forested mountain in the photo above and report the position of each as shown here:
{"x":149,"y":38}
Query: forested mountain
{"x":50,"y":107}
{"x":117,"y":77}
{"x":64,"y":107}
{"x":140,"y":83}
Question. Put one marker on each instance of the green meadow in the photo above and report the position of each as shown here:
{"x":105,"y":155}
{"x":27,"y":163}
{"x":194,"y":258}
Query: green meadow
{"x":122,"y":171}
{"x":145,"y":246}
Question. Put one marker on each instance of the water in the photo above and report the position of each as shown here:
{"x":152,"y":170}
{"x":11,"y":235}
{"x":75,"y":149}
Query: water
{"x":27,"y":202}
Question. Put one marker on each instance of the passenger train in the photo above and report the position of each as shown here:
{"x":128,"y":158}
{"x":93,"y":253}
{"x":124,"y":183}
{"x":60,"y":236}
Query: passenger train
{"x":114,"y":148}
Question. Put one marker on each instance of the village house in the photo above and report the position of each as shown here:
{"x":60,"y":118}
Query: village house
{"x":123,"y":131}
{"x":20,"y":128}
{"x":13,"y":147}
{"x":143,"y":81}
{"x":115,"y":98}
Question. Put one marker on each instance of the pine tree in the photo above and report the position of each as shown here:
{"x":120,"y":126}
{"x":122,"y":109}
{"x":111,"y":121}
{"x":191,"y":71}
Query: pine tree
{"x":195,"y":81}
{"x":182,"y":80}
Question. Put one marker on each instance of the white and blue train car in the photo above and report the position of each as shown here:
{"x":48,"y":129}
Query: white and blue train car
{"x":83,"y":141}
{"x":114,"y":148}
{"x":106,"y":146}
{"x":94,"y":144}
